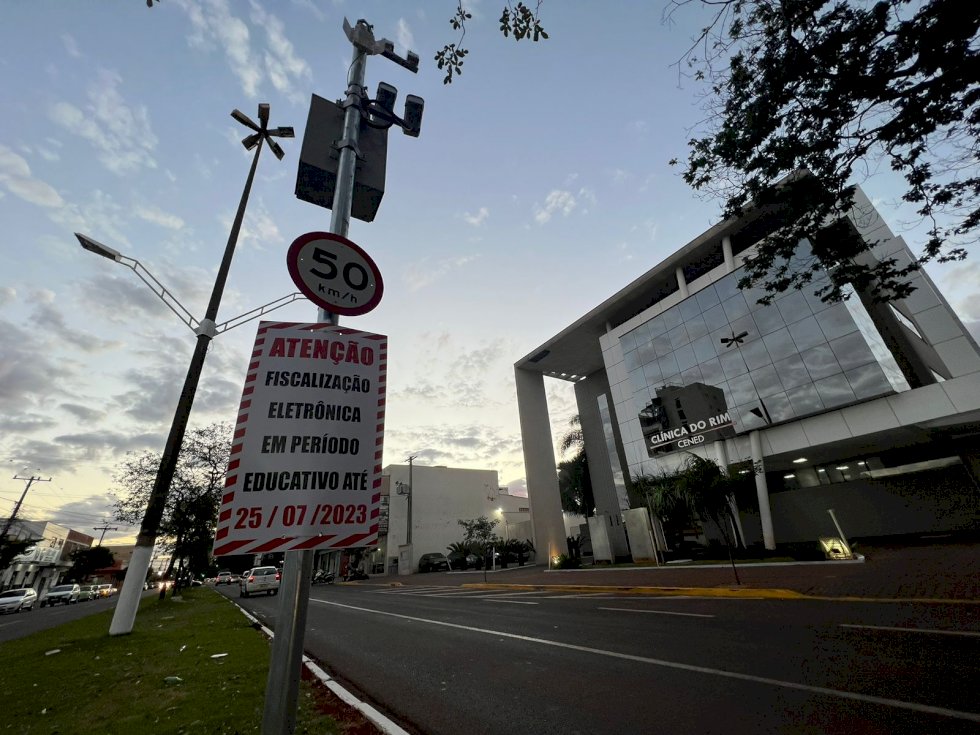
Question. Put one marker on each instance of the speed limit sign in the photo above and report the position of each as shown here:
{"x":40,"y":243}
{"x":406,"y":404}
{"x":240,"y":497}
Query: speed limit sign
{"x":334,"y":273}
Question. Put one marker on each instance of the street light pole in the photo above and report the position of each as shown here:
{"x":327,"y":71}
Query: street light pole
{"x":125,"y":613}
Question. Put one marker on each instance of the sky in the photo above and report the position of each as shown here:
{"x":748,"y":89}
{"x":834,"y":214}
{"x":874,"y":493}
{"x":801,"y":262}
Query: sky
{"x":539,"y":187}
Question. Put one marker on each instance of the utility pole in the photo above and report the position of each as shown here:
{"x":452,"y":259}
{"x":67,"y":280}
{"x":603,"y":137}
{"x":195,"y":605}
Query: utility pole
{"x":104,"y":527}
{"x":30,"y":481}
{"x":279,"y":715}
{"x":408,"y":535}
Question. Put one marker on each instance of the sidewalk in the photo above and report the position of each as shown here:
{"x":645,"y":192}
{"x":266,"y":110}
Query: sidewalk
{"x":941,"y":571}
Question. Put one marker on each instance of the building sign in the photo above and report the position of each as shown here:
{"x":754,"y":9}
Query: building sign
{"x":681,"y":417}
{"x":305,"y":468}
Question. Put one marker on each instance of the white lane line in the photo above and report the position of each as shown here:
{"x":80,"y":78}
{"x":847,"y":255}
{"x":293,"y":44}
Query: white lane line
{"x":467,"y":593}
{"x":854,"y":696}
{"x":504,"y":593}
{"x":512,"y":602}
{"x":656,"y":612}
{"x":896,"y":629}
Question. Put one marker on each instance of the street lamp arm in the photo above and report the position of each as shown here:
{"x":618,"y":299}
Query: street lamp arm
{"x":257,"y":312}
{"x":160,"y":290}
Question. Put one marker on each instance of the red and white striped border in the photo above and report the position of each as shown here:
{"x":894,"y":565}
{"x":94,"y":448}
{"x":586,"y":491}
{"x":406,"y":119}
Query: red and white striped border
{"x":293,"y":543}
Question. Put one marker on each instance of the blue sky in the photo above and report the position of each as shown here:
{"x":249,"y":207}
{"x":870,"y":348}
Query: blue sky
{"x":539,"y":186}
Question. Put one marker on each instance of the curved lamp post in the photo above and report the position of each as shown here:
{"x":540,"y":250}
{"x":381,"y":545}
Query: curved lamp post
{"x":125,"y":613}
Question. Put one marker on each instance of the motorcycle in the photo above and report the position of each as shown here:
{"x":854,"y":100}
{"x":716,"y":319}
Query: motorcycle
{"x":321,"y":576}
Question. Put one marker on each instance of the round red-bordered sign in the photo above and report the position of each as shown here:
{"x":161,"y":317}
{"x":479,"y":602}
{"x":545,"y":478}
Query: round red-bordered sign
{"x":334,"y":273}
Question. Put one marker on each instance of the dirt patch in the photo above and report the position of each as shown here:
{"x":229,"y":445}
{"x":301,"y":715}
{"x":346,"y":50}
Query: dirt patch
{"x":349,"y":720}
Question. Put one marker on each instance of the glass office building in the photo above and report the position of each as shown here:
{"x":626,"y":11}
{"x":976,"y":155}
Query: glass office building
{"x":871,"y":408}
{"x":792,"y":358}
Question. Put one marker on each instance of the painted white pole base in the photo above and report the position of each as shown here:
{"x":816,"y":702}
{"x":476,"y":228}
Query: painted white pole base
{"x":129,"y":596}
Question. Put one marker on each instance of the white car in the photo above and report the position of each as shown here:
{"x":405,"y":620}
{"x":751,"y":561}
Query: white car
{"x":15,"y":600}
{"x":260,"y":579}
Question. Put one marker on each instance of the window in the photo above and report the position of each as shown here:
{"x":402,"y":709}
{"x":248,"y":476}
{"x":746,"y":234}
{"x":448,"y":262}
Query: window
{"x":905,"y":321}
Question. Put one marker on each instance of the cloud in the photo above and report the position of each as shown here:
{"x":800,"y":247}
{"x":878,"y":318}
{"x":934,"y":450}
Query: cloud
{"x":311,"y":7}
{"x":26,"y":423}
{"x":258,"y":227}
{"x":476,"y":446}
{"x":157,"y":216}
{"x":28,"y":369}
{"x":404,"y":35}
{"x":213,"y":24}
{"x":71,"y":46}
{"x":49,"y":317}
{"x":7,"y":295}
{"x":426,"y":272}
{"x":120,"y":134}
{"x":15,"y":175}
{"x":558,"y":201}
{"x":83,"y":413}
{"x":282,"y":64}
{"x":476,"y":219}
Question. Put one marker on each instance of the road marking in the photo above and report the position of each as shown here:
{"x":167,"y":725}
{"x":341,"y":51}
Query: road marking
{"x":970,"y":633}
{"x":512,"y":602}
{"x":656,"y":612}
{"x":854,"y":696}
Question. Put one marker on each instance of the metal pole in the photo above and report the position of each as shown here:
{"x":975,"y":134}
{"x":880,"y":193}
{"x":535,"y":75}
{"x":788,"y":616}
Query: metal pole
{"x":279,"y":716}
{"x":129,"y":596}
{"x":408,"y":539}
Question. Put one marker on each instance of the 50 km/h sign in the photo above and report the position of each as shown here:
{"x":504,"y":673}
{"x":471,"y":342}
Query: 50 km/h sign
{"x":305,"y":466}
{"x":334,"y":273}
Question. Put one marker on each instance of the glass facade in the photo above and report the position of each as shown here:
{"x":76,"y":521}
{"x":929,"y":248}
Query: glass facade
{"x":792,"y":358}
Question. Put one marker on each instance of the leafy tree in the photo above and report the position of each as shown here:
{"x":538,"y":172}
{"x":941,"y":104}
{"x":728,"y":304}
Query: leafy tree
{"x":191,"y":512}
{"x":478,"y":534}
{"x":574,"y":482}
{"x":518,"y":21}
{"x":836,"y":89}
{"x":699,"y":490}
{"x":87,"y":561}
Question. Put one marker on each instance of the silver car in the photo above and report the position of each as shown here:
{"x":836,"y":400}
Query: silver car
{"x":16,"y":600}
{"x":65,"y":593}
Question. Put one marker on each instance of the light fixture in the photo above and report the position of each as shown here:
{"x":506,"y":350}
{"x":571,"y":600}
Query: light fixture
{"x":799,"y":460}
{"x":790,"y":476}
{"x":821,"y":469}
{"x":743,"y":472}
{"x":841,"y":467}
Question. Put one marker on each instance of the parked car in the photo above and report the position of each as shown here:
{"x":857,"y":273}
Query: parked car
{"x":15,"y":600}
{"x":459,"y":560}
{"x":260,"y":579}
{"x":88,"y":592}
{"x":66,"y":594}
{"x":107,"y":590}
{"x":223,"y":578}
{"x":433,"y":562}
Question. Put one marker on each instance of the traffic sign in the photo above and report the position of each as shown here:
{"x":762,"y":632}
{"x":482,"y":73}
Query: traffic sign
{"x":305,"y":464}
{"x":334,"y":273}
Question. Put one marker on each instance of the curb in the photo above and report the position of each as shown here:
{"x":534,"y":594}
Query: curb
{"x":760,"y":593}
{"x":384,"y":724}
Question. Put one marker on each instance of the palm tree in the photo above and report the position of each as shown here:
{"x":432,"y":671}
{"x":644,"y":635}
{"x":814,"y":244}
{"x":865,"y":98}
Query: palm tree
{"x":574,"y":482}
{"x":700,"y":489}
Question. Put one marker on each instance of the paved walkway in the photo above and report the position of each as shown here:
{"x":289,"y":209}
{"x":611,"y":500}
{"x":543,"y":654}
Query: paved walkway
{"x":943,"y":571}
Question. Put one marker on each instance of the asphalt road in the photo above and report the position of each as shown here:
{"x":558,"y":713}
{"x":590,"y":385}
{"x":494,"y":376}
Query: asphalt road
{"x":18,"y":625}
{"x":441,"y":661}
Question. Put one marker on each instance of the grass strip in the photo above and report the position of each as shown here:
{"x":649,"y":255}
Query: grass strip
{"x":167,"y":676}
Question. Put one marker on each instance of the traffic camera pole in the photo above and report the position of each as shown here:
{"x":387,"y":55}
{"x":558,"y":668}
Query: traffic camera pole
{"x":279,"y":716}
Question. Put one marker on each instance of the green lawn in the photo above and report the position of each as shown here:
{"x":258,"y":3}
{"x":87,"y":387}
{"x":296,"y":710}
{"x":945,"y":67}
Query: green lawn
{"x":98,"y":684}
